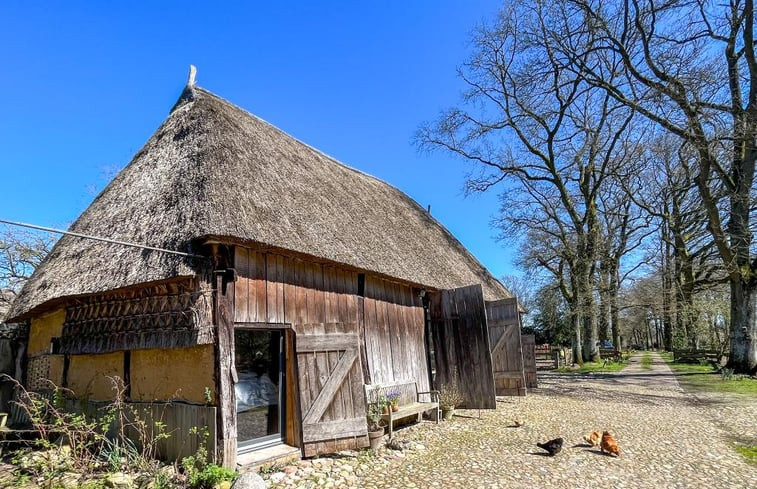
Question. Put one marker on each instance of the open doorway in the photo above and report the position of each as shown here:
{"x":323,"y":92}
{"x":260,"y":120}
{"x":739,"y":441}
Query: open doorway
{"x":260,"y":389}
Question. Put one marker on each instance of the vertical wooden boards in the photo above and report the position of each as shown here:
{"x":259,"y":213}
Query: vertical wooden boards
{"x":461,"y":344}
{"x":274,"y":289}
{"x":394,"y":333}
{"x":507,"y":355}
{"x":250,"y":298}
{"x":176,"y":418}
{"x":321,"y":426}
{"x":395,"y":328}
{"x":242,"y":286}
{"x":372,"y":333}
{"x":315,"y":299}
{"x":528,"y":342}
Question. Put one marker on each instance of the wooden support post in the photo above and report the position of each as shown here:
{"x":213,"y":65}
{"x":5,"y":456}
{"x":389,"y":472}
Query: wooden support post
{"x":227,"y":419}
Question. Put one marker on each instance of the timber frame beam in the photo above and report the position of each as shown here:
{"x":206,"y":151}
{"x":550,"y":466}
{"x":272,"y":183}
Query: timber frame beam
{"x":223,"y":315}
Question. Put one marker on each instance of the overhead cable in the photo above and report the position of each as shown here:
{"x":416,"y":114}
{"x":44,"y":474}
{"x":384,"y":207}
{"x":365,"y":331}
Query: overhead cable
{"x":98,"y":238}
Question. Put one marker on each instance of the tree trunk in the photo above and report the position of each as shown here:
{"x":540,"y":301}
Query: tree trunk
{"x":577,"y":352}
{"x":586,"y":311}
{"x":667,"y":312}
{"x":604,"y":303}
{"x":591,"y":350}
{"x":743,"y":354}
{"x":686,"y":315}
{"x":614,"y":316}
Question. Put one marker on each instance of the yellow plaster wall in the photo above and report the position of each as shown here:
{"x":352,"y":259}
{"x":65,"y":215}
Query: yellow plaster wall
{"x":43,"y":329}
{"x":55,"y":372}
{"x":88,"y":375}
{"x":175,"y":374}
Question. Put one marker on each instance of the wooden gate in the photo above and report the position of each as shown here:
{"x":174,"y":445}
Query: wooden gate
{"x":528,"y":343}
{"x":332,"y":402}
{"x":461,"y":345}
{"x":503,"y":319}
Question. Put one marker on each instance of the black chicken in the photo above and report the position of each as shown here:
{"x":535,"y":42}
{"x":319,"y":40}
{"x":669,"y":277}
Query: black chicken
{"x":552,"y":446}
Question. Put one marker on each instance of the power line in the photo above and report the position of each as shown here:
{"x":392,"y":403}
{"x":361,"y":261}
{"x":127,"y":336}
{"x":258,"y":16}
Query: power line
{"x":97,"y":238}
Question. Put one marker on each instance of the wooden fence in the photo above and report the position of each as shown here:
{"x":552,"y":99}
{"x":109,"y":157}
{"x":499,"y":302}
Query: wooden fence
{"x":177,"y":420}
{"x":187,"y":425}
{"x":549,"y":357}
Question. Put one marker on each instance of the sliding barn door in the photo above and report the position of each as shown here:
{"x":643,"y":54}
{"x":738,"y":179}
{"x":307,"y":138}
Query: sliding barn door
{"x":461,"y":344}
{"x":332,"y":399}
{"x":507,"y":353}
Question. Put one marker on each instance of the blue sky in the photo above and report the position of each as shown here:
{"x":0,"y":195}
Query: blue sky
{"x":85,"y":85}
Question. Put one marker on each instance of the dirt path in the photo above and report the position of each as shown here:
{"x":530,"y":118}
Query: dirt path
{"x":668,"y":439}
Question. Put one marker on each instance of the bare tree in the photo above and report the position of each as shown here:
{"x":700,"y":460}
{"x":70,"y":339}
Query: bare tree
{"x":664,"y":188}
{"x":544,"y":134}
{"x":20,"y":254}
{"x":690,"y":67}
{"x":521,"y":287}
{"x":544,"y":251}
{"x":623,"y":230}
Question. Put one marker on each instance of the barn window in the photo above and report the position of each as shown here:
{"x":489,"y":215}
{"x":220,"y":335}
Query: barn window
{"x":361,"y":284}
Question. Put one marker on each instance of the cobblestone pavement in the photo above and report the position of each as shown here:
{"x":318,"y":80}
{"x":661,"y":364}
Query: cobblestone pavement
{"x":669,"y":439}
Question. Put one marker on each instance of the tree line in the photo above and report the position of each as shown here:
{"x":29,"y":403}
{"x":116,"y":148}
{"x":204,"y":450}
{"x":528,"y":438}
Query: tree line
{"x":621,"y":137}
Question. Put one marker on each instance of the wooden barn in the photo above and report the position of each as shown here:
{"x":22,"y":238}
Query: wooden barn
{"x":300,"y":281}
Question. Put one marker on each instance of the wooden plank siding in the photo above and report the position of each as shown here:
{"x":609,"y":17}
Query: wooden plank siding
{"x":461,"y":345}
{"x":394,"y":333}
{"x":503,"y":320}
{"x":320,"y":299}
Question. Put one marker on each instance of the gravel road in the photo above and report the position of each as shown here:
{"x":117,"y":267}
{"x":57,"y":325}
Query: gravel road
{"x":668,"y":439}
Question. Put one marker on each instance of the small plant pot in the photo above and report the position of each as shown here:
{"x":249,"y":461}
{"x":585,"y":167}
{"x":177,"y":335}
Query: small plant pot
{"x":395,"y":408}
{"x":447,"y":413}
{"x":385,"y":410}
{"x":375,"y":437}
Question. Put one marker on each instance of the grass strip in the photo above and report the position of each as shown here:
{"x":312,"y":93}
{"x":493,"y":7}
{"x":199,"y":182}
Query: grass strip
{"x":646,"y":361}
{"x":590,"y":367}
{"x":705,"y":378}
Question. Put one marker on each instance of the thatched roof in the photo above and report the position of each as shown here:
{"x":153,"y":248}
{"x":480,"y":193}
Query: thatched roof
{"x":215,"y":170}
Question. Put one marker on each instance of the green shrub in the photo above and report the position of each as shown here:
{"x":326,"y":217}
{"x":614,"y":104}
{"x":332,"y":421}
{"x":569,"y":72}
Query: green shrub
{"x":210,"y":476}
{"x":87,"y":444}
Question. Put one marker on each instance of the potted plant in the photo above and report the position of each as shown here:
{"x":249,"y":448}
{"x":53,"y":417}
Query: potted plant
{"x":375,"y":426}
{"x":450,"y":397}
{"x":393,"y":399}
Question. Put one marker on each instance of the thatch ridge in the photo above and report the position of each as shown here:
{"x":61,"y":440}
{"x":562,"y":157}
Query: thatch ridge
{"x":213,"y":169}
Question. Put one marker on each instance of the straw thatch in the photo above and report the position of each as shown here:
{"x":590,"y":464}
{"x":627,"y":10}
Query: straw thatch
{"x":214,"y":170}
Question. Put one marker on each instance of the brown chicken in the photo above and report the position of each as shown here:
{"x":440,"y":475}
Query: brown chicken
{"x":593,"y":438}
{"x":609,"y":444}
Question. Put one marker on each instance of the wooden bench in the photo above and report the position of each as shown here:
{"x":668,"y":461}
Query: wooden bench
{"x":410,"y":401}
{"x":696,"y":356}
{"x":611,"y":354}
